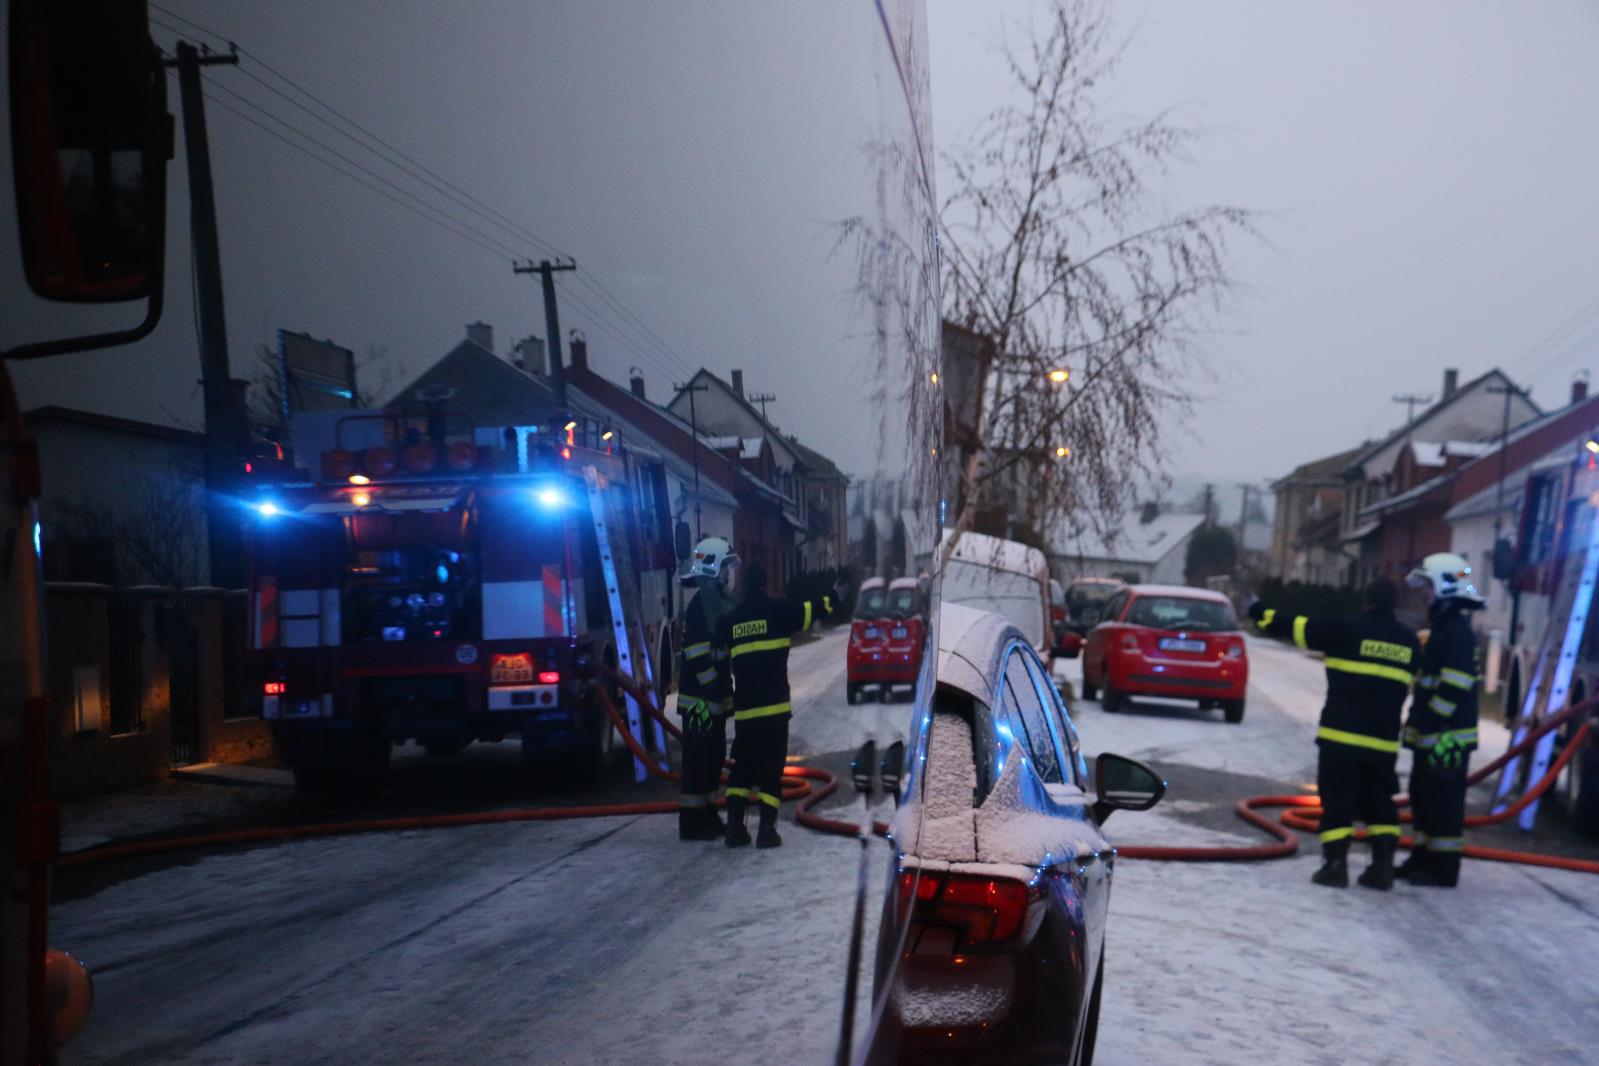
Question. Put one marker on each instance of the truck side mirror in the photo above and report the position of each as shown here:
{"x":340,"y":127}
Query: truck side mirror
{"x":861,"y":767}
{"x":90,"y":137}
{"x":893,"y":765}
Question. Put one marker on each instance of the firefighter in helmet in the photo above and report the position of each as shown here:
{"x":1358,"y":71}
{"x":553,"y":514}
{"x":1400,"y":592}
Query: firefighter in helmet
{"x":758,"y":634}
{"x":1371,"y":658}
{"x":1441,"y":731}
{"x":704,"y":687}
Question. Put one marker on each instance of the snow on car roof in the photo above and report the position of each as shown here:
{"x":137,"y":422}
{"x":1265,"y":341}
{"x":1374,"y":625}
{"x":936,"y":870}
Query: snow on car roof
{"x":1180,"y":592}
{"x":968,"y":640}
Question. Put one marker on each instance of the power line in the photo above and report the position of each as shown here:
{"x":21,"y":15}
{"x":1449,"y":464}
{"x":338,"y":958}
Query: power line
{"x":424,"y":175}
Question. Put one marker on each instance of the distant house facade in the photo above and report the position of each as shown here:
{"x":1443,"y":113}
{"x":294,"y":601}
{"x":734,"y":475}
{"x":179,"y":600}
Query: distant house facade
{"x":1389,"y":475}
{"x":1145,"y":547}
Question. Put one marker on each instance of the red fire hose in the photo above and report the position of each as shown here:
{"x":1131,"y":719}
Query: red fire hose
{"x":1302,"y":812}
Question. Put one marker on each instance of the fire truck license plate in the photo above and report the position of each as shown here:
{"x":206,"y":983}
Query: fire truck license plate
{"x":511,"y":669}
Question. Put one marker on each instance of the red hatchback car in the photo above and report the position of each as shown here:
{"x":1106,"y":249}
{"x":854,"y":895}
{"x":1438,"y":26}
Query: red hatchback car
{"x":1168,"y":641}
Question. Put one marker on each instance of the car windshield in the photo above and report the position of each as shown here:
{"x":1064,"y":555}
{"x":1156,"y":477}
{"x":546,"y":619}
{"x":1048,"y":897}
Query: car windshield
{"x":1085,"y":602}
{"x":871,"y":603}
{"x":1005,"y":592}
{"x":1182,"y":612}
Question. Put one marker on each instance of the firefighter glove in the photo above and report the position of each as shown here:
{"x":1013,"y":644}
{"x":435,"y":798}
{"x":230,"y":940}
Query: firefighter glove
{"x":697,"y":717}
{"x":1447,"y":754}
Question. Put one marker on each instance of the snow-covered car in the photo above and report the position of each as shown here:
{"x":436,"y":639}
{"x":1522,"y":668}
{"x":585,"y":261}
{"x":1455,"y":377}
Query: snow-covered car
{"x":993,"y":937}
{"x":1171,"y":642}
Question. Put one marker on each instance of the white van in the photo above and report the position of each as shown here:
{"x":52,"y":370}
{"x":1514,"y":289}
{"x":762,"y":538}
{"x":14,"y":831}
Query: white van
{"x":1003,"y":576}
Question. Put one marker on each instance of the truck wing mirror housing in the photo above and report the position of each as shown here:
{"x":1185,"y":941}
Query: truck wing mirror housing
{"x":90,"y":139}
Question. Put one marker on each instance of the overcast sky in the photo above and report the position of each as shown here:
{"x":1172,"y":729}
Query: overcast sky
{"x":1429,"y":169}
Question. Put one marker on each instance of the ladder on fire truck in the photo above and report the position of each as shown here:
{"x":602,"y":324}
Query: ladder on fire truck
{"x":1557,"y":656}
{"x":621,"y":585}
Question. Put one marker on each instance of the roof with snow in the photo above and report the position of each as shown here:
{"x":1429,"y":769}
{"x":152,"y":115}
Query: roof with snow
{"x":1134,"y":541}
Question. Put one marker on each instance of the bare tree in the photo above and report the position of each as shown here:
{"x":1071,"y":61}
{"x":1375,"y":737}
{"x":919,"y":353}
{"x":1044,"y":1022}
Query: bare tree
{"x":1059,"y":250}
{"x":157,"y":524}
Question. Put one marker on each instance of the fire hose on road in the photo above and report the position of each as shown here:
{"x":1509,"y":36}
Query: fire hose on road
{"x":810,"y":786}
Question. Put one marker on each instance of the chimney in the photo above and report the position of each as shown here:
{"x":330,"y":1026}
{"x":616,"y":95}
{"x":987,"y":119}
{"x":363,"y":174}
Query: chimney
{"x":1451,"y":382}
{"x":481,"y":333}
{"x":1579,"y":387}
{"x":529,"y":356}
{"x":635,"y":382}
{"x":738,"y":383}
{"x":579,"y":353}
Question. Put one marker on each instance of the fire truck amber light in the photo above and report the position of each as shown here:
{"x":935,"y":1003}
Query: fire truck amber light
{"x":549,"y":677}
{"x":272,"y":688}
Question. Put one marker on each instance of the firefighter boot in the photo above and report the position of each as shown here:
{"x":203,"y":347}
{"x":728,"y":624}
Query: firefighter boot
{"x":766,"y":836}
{"x":697,"y":823}
{"x":1414,"y":863}
{"x":1442,"y":871}
{"x":1334,"y":872}
{"x":1380,"y":874}
{"x":737,"y":835}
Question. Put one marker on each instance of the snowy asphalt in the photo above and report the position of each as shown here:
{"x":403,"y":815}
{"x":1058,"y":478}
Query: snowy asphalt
{"x":608,"y":941}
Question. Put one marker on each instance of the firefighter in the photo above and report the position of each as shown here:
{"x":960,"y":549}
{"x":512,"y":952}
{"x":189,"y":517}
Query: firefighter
{"x":1371,"y":659}
{"x":1441,"y":731}
{"x":758,"y":633}
{"x":704,"y":688}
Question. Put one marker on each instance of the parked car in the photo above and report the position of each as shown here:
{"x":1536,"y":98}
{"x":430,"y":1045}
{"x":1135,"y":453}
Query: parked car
{"x":1168,"y":641}
{"x":1004,"y":576}
{"x":886,"y":637}
{"x":992,"y":943}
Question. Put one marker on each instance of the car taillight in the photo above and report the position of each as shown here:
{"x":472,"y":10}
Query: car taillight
{"x":1129,"y":641}
{"x":982,"y":910}
{"x":549,"y":677}
{"x":273,"y":688}
{"x":1235,"y":650}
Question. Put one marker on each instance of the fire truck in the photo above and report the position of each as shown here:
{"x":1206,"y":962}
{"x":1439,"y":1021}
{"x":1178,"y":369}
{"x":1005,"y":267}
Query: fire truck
{"x":1557,"y":533}
{"x":421,"y":578}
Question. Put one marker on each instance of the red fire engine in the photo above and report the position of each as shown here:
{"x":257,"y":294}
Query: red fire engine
{"x":430,"y":580}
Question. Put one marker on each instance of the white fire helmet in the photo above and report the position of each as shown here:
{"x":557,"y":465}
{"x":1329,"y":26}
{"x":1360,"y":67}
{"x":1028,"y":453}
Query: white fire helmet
{"x":1448,"y":576}
{"x":713,"y":558}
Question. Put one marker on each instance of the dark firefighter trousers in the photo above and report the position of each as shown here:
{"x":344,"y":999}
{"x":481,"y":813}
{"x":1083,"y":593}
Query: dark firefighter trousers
{"x":1355,"y":784}
{"x":704,"y":749}
{"x":1438,"y":809}
{"x":760,"y":750}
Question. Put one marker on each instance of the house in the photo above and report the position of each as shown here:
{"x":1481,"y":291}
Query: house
{"x":1305,"y":531}
{"x":1387,"y":523}
{"x":1147,"y":547}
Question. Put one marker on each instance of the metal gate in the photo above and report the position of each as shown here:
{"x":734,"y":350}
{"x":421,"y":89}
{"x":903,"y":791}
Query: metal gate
{"x":183,"y":683}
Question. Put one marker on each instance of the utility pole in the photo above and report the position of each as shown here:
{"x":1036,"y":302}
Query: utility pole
{"x":694,"y":423}
{"x":225,"y":428}
{"x":762,"y":398}
{"x":546,"y":271}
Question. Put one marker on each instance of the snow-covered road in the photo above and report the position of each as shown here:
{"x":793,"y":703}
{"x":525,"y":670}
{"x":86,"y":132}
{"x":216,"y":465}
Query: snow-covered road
{"x":1251,"y":963}
{"x":607,"y":941}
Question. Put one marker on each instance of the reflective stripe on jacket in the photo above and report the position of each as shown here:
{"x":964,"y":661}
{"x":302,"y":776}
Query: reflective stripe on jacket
{"x":1371,"y":659}
{"x":758,"y":633}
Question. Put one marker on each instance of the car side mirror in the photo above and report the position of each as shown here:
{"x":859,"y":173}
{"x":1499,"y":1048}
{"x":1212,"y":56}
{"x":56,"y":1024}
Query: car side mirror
{"x":893,"y":765}
{"x":861,"y":767}
{"x":1123,"y":784}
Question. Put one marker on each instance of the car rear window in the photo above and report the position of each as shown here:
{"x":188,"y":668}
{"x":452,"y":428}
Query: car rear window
{"x":1181,"y":612}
